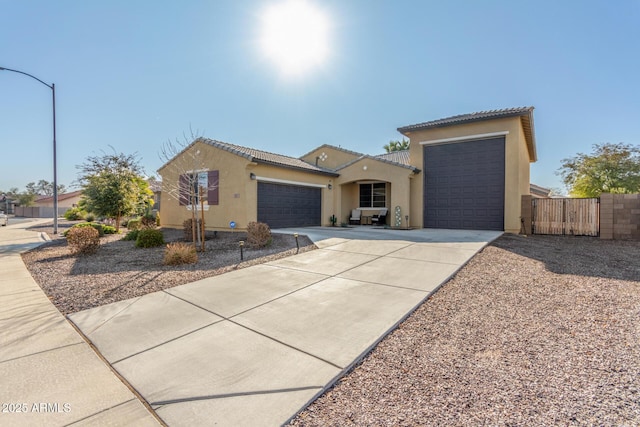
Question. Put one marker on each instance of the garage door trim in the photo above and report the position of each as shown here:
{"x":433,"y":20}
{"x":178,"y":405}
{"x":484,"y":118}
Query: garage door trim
{"x":288,"y":182}
{"x":465,"y":138}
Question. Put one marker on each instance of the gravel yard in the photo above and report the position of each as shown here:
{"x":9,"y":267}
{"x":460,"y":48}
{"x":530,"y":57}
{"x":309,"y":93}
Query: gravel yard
{"x":120,"y":271}
{"x":538,"y":330}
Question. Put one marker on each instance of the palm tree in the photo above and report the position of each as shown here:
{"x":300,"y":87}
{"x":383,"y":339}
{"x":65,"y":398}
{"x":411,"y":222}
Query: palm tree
{"x":397,"y":145}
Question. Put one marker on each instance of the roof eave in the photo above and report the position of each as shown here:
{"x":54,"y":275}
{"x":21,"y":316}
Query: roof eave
{"x":280,"y":165}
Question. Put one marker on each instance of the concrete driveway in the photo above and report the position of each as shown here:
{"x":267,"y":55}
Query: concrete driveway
{"x":255,"y":346}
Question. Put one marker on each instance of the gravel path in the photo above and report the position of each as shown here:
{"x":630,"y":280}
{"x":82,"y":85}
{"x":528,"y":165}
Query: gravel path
{"x":538,"y":330}
{"x":120,"y":271}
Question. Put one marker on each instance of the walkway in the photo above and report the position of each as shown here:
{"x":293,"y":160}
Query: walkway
{"x":49,"y":375}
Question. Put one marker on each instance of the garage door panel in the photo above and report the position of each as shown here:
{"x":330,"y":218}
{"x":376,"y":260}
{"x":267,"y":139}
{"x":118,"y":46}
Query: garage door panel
{"x":467,"y":175}
{"x":281,"y":205}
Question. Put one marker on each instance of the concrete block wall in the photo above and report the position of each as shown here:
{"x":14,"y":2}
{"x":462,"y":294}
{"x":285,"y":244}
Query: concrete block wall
{"x":620,"y":216}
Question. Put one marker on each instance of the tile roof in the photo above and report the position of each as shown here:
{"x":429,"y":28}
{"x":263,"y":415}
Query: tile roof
{"x":266,"y":157}
{"x":401,"y":157}
{"x":525,"y":114}
{"x":65,"y":196}
{"x":344,"y":150}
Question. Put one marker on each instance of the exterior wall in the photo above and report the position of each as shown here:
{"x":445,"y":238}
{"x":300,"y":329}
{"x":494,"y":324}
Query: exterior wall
{"x":335,"y":158}
{"x":238,"y":193}
{"x":398,"y":181}
{"x":620,"y":216}
{"x":38,"y":211}
{"x":516,"y":164}
{"x":62,"y":203}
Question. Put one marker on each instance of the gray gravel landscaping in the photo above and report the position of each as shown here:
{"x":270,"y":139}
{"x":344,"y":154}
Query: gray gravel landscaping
{"x":120,"y":271}
{"x":538,"y":330}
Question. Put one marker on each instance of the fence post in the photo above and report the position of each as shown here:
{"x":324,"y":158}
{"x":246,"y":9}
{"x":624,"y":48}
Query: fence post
{"x":606,"y":216}
{"x":526,"y":213}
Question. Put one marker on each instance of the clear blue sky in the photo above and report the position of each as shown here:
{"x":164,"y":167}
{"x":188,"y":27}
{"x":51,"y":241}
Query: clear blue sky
{"x":134,"y":74}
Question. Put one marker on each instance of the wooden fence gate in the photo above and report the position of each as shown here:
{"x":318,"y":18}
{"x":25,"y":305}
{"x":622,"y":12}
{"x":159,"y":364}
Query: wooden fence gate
{"x":577,"y":217}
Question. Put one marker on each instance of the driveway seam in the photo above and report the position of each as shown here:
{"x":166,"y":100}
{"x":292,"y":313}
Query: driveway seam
{"x":42,"y":352}
{"x":238,"y":394}
{"x":230,"y":320}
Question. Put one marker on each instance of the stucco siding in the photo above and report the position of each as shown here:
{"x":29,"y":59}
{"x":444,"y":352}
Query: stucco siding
{"x":514,"y":163}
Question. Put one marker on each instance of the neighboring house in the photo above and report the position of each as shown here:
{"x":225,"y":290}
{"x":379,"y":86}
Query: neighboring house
{"x":43,"y":205}
{"x":66,"y":200}
{"x":538,"y":192}
{"x":156,"y":187}
{"x":462,"y":172}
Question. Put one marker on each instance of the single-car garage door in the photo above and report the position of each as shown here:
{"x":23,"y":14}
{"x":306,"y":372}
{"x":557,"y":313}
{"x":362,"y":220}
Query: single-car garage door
{"x":464,"y":185}
{"x":283,"y":205}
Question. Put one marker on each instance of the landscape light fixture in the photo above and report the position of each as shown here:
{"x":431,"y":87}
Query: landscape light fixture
{"x":241,"y":250}
{"x":51,"y":86}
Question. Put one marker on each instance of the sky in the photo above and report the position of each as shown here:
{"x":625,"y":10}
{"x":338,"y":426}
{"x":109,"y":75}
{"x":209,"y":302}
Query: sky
{"x":132,"y":75}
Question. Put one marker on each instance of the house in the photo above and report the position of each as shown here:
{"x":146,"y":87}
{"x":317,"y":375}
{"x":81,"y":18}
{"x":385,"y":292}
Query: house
{"x":538,"y":192}
{"x":43,"y":205}
{"x":463,"y":172}
{"x":65,"y":200}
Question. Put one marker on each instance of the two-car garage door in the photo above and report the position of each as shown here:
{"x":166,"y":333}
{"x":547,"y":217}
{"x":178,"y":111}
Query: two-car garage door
{"x":464,"y":185}
{"x":284,"y":205}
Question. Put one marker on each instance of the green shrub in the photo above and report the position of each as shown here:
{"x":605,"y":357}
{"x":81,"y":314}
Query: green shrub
{"x":134,"y":224}
{"x":258,"y":234}
{"x":149,"y":237}
{"x":131,"y":235}
{"x":74,"y":214}
{"x":89,"y":217}
{"x":180,"y":253}
{"x":83,"y":240}
{"x":108,"y":229}
{"x":97,"y":226}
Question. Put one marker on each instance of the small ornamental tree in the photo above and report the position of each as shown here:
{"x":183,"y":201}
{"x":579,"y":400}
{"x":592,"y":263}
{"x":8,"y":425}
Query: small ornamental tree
{"x":188,"y":179}
{"x":113,"y":186}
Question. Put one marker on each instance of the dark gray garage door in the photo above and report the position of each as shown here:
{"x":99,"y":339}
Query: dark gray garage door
{"x":281,"y":205}
{"x":464,"y":185}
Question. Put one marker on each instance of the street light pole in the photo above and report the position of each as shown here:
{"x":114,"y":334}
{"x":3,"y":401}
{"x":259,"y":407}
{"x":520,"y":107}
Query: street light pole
{"x":51,"y":86}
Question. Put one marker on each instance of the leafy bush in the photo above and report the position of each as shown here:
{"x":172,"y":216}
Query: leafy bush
{"x":258,"y":234}
{"x":186,"y":226}
{"x":180,"y":253}
{"x":134,"y":224}
{"x":149,"y":237}
{"x":89,"y":217}
{"x":74,"y":214}
{"x":131,"y":235}
{"x":83,"y":240}
{"x":108,"y":229}
{"x":97,"y":226}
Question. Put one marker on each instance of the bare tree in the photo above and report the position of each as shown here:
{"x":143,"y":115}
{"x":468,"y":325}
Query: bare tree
{"x":184,"y":159}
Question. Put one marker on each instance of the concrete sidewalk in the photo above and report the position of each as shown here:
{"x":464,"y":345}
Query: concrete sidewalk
{"x":254,"y":346}
{"x":49,"y":375}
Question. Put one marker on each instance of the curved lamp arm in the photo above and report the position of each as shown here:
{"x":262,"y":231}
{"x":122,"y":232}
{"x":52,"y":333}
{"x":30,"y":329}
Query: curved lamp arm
{"x":51,"y":86}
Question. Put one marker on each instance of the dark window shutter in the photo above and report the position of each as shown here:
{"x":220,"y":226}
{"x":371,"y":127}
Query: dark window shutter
{"x":212,"y":191}
{"x":183,"y":196}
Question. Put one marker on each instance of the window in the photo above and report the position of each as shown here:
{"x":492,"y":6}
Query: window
{"x":191,"y":183}
{"x":373,"y":195}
